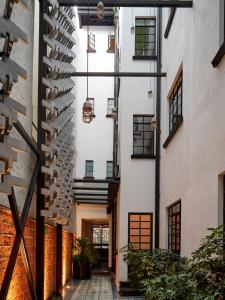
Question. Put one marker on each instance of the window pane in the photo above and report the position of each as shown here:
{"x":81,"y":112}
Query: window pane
{"x":174,"y":230}
{"x":145,"y":36}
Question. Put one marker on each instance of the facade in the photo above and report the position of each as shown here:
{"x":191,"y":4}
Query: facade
{"x":149,"y":167}
{"x":136,"y":100}
{"x":192,"y":164}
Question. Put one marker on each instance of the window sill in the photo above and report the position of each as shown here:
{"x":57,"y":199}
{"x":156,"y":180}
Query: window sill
{"x":89,"y":177}
{"x":109,"y":178}
{"x":110,"y":51}
{"x":173,"y":131}
{"x":91,"y":51}
{"x":145,"y":156}
{"x":109,"y":116}
{"x":140,"y":57}
{"x":219,"y":56}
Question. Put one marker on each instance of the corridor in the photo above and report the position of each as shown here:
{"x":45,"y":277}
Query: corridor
{"x":98,"y":288}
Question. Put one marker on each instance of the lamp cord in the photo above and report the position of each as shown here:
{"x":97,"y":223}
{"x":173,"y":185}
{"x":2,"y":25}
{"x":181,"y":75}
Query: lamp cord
{"x":88,"y":46}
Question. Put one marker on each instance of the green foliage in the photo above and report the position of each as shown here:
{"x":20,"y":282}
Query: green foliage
{"x":207,"y":265}
{"x":83,"y":251}
{"x":146,"y":264}
{"x":170,"y":286}
{"x":162,"y":275}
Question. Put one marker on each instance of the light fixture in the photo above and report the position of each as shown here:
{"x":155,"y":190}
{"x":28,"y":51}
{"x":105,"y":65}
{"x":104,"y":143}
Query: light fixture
{"x":150,"y":94}
{"x":153,"y":124}
{"x":114,"y":112}
{"x":100,"y":10}
{"x":87,"y":112}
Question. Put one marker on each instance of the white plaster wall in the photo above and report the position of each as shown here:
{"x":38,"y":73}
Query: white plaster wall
{"x":191,"y":163}
{"x":94,"y":141}
{"x":137,"y":175}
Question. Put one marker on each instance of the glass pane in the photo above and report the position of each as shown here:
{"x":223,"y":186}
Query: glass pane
{"x":134,"y":217}
{"x":145,"y":247}
{"x":145,"y":217}
{"x":134,"y":239}
{"x":134,"y":225}
{"x":145,"y":225}
{"x":134,"y":231}
{"x":145,"y":239}
{"x":145,"y":231}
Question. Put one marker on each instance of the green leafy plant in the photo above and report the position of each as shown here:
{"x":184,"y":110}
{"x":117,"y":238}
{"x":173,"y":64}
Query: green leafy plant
{"x":146,"y":264}
{"x":170,"y":286}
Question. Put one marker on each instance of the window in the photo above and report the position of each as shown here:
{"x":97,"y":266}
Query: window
{"x":100,"y":236}
{"x":220,"y":54}
{"x":111,"y":43}
{"x":145,"y":36}
{"x":91,"y":43}
{"x":175,"y":106}
{"x":143,"y":136}
{"x":89,"y":167}
{"x":140,"y":230}
{"x":110,"y":105}
{"x":109,"y":169}
{"x":174,"y":227}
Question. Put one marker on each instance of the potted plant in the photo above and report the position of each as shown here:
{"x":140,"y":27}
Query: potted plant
{"x":81,"y":259}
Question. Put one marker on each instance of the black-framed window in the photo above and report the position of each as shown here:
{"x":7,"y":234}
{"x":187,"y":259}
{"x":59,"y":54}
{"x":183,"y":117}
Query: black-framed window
{"x":100,"y":236}
{"x":110,"y":105}
{"x":89,"y":168}
{"x":145,"y":36}
{"x":109,"y":169}
{"x":91,"y":43}
{"x":143,"y":135}
{"x":174,"y":227}
{"x":175,"y":103}
{"x":140,"y":230}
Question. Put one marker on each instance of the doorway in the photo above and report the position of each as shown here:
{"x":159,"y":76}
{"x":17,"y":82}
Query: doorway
{"x":97,"y":231}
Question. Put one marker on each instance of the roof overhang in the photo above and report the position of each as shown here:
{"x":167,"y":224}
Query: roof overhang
{"x":89,"y":17}
{"x":95,"y":191}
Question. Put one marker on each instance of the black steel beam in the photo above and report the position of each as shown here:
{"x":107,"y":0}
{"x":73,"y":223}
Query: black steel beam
{"x":93,"y":181}
{"x":89,"y":194}
{"x":129,"y":3}
{"x":91,"y":202}
{"x":158,"y":129}
{"x":40,"y":224}
{"x":118,"y":74}
{"x":90,"y":188}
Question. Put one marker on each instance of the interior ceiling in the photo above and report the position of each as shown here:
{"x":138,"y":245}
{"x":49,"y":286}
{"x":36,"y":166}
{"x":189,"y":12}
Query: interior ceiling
{"x":90,"y":18}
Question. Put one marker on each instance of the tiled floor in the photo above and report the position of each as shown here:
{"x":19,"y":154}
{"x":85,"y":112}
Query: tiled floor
{"x":98,"y":288}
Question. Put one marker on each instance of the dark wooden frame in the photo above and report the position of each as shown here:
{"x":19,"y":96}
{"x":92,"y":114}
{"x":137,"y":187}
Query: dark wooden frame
{"x":151,"y":229}
{"x":170,"y":234}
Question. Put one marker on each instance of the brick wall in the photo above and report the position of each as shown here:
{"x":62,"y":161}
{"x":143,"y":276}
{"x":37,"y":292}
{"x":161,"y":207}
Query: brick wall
{"x":19,"y":289}
{"x":50,"y":261}
{"x":67,"y":240}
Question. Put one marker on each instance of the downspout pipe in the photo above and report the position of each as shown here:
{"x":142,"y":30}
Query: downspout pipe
{"x":158,"y":127}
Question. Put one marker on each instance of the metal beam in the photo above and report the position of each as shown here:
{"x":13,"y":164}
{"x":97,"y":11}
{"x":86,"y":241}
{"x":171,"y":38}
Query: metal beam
{"x":129,"y":3}
{"x":118,"y":74}
{"x":92,"y":199}
{"x":89,"y":188}
{"x":89,"y":194}
{"x":91,"y":202}
{"x":93,"y":181}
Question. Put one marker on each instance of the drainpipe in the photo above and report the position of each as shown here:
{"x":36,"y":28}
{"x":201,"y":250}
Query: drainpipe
{"x":158,"y":128}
